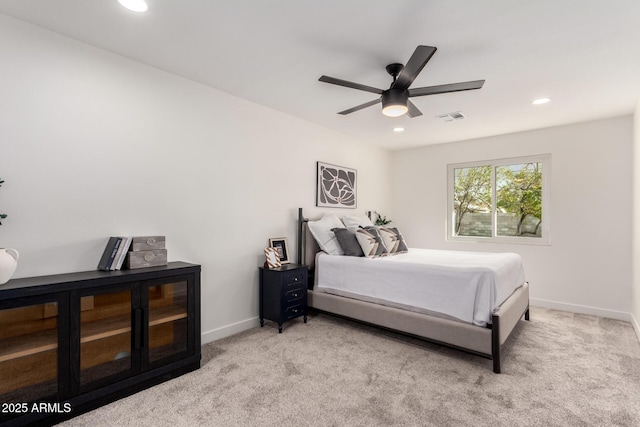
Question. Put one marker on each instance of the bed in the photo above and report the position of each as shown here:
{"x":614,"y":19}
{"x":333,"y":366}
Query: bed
{"x":484,"y":298}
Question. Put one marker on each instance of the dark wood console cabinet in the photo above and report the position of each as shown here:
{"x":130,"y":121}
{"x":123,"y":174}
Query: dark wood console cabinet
{"x":73,"y":342}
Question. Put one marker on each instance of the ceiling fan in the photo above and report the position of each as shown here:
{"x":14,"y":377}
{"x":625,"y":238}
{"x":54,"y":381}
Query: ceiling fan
{"x":395,"y":100}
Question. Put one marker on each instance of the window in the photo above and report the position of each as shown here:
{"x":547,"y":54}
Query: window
{"x":500,"y":200}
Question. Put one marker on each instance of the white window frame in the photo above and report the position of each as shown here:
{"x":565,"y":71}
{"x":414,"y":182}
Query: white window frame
{"x":545,"y":159}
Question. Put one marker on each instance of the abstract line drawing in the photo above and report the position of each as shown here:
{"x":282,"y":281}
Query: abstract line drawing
{"x":336,"y":186}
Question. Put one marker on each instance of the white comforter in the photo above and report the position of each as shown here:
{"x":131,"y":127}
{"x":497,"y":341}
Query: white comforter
{"x":464,"y":285}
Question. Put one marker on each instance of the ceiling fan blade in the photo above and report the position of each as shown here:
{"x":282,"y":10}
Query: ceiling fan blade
{"x":351,"y":85}
{"x":416,"y":63}
{"x":413,"y":110}
{"x":361,"y":106}
{"x":451,"y":87}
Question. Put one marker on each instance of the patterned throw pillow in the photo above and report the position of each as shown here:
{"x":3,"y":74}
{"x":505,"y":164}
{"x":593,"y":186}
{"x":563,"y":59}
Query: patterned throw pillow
{"x":393,"y":240}
{"x":371,"y":242}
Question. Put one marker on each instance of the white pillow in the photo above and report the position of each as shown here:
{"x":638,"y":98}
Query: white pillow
{"x":356,"y":221}
{"x":321,"y":231}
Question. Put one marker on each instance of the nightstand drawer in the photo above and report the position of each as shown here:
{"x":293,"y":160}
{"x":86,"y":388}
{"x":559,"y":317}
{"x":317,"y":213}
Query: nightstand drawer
{"x":294,"y":295}
{"x":295,"y":311}
{"x":293,"y":278}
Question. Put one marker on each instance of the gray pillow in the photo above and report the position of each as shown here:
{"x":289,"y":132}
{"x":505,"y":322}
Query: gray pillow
{"x":348,"y":241}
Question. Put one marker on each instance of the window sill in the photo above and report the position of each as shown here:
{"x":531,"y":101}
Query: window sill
{"x":535,"y":241}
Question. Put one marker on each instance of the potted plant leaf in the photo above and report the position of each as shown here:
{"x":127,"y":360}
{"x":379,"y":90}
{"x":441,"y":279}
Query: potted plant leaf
{"x":381,"y":219}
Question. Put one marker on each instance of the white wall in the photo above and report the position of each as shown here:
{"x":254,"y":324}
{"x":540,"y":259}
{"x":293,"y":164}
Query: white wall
{"x":636,"y":222}
{"x":94,"y":145}
{"x":587,"y":266}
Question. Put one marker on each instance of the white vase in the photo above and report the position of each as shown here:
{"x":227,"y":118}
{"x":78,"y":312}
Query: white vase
{"x":8,"y":264}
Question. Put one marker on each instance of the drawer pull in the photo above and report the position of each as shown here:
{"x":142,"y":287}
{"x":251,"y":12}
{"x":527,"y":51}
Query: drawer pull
{"x":295,"y":295}
{"x":295,"y":279}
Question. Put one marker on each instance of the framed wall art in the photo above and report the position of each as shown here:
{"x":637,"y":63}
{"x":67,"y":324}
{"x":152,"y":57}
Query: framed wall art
{"x":336,"y":186}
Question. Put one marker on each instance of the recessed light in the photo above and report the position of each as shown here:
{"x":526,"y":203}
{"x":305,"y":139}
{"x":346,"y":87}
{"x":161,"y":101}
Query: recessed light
{"x":134,"y":5}
{"x":541,"y":101}
{"x":398,"y":130}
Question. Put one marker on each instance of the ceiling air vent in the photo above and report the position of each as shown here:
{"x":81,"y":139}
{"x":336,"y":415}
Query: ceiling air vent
{"x":449,"y":117}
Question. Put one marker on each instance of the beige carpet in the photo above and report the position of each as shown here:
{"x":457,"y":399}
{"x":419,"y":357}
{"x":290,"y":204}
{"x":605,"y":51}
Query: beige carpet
{"x":560,"y":369}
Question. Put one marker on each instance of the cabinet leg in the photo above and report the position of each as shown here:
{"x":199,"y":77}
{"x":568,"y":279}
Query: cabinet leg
{"x":261,"y":323}
{"x":305,"y":318}
{"x":279,"y":328}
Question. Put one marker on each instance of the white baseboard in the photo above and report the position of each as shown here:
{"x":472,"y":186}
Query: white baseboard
{"x":582,"y":309}
{"x":636,"y":325}
{"x":229,"y":330}
{"x":241,"y":326}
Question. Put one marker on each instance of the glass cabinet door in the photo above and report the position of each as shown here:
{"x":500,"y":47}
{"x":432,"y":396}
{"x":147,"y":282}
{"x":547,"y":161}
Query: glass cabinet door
{"x":29,"y":352}
{"x":105,"y":335}
{"x":168,"y":308}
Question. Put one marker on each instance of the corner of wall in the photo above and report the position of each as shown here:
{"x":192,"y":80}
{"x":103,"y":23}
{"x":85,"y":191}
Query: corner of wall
{"x":636,"y":325}
{"x":228,"y":330}
{"x":635,"y":222}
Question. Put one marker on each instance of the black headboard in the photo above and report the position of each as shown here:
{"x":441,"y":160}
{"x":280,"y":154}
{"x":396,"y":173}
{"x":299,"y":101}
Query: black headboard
{"x":307,"y":246}
{"x":301,"y":226}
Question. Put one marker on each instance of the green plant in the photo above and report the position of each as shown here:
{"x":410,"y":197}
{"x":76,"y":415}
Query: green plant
{"x":381,"y":219}
{"x":522,"y":196}
{"x":2,"y":216}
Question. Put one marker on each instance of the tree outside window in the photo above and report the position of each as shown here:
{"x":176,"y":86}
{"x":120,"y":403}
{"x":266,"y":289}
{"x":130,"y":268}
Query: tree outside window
{"x":519,"y":196}
{"x":472,"y":198}
{"x":498,"y":199}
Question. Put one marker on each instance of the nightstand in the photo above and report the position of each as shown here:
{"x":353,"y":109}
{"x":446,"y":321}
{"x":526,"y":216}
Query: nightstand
{"x":283,"y":293}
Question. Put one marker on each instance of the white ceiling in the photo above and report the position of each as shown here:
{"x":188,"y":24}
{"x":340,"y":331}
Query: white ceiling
{"x":584,"y":54}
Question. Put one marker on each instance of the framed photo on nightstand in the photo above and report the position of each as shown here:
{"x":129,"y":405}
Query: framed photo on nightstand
{"x":281,"y":247}
{"x":272,"y":260}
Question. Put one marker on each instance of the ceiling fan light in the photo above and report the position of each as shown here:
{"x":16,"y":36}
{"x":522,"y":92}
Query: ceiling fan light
{"x":394,"y":110}
{"x":134,"y":5}
{"x":394,"y":102}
